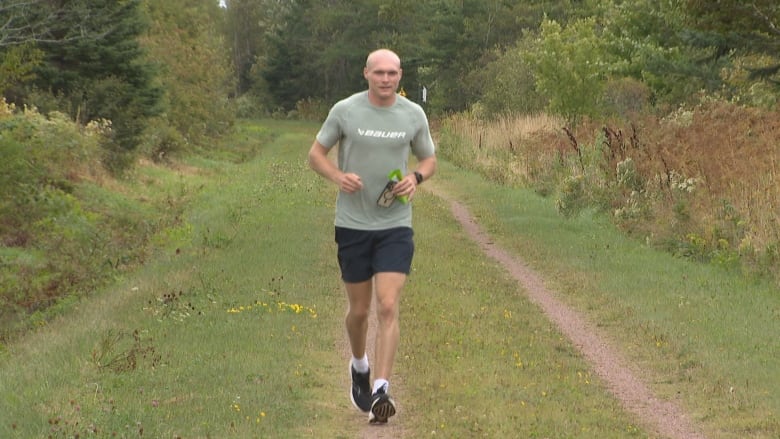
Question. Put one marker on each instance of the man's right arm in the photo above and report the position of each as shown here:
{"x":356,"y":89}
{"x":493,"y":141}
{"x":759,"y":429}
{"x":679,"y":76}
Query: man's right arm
{"x":320,"y":163}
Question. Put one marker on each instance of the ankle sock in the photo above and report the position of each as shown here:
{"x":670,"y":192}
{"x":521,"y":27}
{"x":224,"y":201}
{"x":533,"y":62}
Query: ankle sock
{"x":378,"y":383}
{"x":360,"y":364}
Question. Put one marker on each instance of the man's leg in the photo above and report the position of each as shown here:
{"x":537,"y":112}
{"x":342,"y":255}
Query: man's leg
{"x":359,"y":296}
{"x":388,"y":295}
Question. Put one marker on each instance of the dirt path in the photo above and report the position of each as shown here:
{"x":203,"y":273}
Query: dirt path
{"x":664,"y":417}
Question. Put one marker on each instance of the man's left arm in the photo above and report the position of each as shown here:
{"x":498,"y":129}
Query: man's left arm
{"x":408,"y":186}
{"x":426,"y":168}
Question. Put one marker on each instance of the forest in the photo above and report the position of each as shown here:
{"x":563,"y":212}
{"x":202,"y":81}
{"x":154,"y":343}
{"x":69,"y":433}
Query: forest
{"x":648,"y":99}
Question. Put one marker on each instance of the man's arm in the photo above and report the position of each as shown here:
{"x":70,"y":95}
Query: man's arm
{"x":321,"y":164}
{"x":427,"y":167}
{"x":408,"y":186}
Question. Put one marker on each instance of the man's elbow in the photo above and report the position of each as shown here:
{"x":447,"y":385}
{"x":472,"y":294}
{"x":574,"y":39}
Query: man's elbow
{"x":313,"y":157}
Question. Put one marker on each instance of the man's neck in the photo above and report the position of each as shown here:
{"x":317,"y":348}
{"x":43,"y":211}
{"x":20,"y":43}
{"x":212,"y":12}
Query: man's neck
{"x":381,"y":102}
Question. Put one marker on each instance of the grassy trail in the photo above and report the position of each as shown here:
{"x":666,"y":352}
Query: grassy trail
{"x":235,"y":330}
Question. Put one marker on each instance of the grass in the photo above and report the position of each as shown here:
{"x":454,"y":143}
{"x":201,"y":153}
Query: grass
{"x":232,"y":329}
{"x":706,"y":336}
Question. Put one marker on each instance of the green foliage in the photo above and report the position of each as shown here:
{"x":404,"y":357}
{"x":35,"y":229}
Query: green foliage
{"x":735,"y":26}
{"x":572,"y":197}
{"x":570,"y":66}
{"x":47,"y":238}
{"x":196,"y":77}
{"x":581,"y":59}
{"x":246,"y":28}
{"x":105,"y":77}
{"x":626,"y":97}
{"x":509,"y":86}
{"x":88,"y":64}
{"x":61,"y":233}
{"x":308,"y":28}
{"x":16,"y":66}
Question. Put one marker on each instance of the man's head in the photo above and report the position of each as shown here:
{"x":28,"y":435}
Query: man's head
{"x":383,"y":74}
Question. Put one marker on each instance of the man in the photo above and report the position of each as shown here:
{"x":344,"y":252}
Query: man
{"x":375,"y":130}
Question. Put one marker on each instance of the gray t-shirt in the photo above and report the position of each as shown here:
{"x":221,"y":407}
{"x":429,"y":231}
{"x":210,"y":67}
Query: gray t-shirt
{"x":373,"y":141}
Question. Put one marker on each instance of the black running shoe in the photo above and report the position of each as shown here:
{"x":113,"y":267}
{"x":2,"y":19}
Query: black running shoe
{"x":361,"y":390}
{"x":382,"y":407}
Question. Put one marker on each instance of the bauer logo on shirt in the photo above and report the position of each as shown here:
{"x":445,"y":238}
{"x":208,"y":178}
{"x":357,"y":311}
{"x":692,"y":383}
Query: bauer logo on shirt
{"x":382,"y":134}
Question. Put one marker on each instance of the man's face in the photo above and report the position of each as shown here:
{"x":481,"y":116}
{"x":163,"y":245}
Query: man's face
{"x":383,"y":76}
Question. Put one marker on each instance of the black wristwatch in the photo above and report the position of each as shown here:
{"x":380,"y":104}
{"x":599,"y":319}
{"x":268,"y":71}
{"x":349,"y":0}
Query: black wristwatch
{"x":418,"y":176}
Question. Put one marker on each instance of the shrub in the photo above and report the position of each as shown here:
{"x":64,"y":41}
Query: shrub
{"x":49,"y":242}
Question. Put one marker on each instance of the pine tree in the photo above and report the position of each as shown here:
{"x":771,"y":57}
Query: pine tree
{"x":105,"y":76}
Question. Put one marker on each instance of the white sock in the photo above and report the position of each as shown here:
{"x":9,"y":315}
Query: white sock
{"x":379,"y":382}
{"x":360,"y":364}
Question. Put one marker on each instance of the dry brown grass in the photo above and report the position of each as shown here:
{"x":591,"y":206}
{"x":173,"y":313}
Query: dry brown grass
{"x":710,"y":182}
{"x":510,"y":150}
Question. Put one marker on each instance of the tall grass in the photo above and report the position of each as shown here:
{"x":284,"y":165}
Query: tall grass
{"x":699,"y":182}
{"x":501,"y":149}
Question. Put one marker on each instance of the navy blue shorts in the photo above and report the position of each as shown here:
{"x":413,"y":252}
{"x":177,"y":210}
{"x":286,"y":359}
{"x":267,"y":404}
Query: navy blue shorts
{"x":363,"y":253}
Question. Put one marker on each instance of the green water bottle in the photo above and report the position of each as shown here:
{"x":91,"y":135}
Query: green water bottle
{"x":396,"y":176}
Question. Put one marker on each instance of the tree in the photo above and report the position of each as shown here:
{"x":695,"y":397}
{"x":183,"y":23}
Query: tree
{"x":184,"y":39}
{"x":104,"y":77}
{"x":320,"y":48}
{"x":571,"y":66}
{"x":247,"y":27}
{"x":16,"y":66}
{"x":23,"y":22}
{"x":745,"y":27}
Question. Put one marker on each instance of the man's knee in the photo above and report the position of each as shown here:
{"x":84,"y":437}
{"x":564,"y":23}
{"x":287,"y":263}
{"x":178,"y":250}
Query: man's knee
{"x":359,"y":313}
{"x":387,"y":307}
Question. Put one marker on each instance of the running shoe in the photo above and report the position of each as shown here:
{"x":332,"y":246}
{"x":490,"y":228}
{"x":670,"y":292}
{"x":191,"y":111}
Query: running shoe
{"x":382,"y":406}
{"x":361,"y":390}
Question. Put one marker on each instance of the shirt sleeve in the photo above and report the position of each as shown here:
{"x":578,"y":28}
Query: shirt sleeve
{"x":330,"y":131}
{"x":422,"y":144}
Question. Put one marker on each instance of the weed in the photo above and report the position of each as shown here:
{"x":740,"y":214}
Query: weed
{"x":173,"y":306}
{"x":120,"y":352}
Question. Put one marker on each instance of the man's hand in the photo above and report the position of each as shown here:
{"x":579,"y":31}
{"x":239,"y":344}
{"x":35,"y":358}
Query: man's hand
{"x":407,"y":186}
{"x":350,"y":183}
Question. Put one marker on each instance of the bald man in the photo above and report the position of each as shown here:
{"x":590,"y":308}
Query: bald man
{"x":375,"y":129}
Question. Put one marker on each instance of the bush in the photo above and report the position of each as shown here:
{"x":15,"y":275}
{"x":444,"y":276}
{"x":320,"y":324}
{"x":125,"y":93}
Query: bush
{"x":508,"y":86}
{"x":162,"y":141}
{"x":48,"y":241}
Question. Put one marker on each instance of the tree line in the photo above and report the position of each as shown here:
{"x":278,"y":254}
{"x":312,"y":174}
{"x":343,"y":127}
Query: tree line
{"x":569,"y":57}
{"x":170,"y":75}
